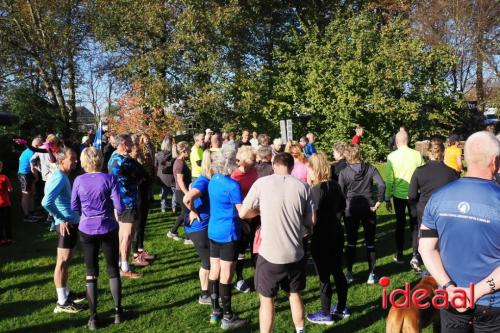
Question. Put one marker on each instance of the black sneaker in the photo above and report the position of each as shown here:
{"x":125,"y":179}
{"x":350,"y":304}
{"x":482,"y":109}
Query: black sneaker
{"x":77,"y":297}
{"x":399,"y":258}
{"x":68,"y":307}
{"x":233,"y":322}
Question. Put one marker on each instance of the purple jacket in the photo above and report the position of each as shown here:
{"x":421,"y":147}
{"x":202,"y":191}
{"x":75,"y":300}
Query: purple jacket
{"x":95,"y":196}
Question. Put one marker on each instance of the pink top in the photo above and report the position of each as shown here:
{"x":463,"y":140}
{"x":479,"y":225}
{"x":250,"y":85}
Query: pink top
{"x":300,"y":171}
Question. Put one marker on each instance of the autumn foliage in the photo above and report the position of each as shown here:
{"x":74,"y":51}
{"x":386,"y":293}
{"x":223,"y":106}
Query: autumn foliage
{"x":135,"y":117}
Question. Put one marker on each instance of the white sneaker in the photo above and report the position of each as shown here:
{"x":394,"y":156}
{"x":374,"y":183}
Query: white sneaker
{"x":173,"y":236}
{"x":188,"y":242}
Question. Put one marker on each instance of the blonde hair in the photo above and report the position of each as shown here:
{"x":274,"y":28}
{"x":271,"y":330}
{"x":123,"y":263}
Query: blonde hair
{"x":52,"y":139}
{"x":91,"y":159}
{"x":206,"y":164}
{"x":297,"y":153}
{"x":320,"y":170}
{"x":246,"y":154}
{"x":340,"y":148}
{"x":436,"y":150}
{"x":353,"y":154}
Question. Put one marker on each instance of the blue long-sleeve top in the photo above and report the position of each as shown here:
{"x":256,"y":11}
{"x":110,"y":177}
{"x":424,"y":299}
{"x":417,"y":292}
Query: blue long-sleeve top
{"x":57,"y":199}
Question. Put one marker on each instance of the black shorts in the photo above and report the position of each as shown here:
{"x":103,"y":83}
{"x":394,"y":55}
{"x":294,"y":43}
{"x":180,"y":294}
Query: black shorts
{"x":270,"y":277}
{"x":224,"y":251}
{"x":129,"y":215}
{"x":481,"y":319}
{"x":202,"y":246}
{"x":26,"y":180}
{"x":67,"y":241}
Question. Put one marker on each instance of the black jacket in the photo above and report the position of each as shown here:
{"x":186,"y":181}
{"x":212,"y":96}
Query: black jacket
{"x":164,"y":164}
{"x":356,"y":182}
{"x":425,"y":180}
{"x":336,"y":168}
{"x":329,"y":203}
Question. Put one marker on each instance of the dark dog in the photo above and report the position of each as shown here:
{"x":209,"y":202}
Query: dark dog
{"x":412,"y":319}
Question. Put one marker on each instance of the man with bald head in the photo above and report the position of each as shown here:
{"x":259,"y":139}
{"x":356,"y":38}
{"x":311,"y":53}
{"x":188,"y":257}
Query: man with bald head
{"x":401,"y":164}
{"x":460,"y":239}
{"x":215,"y":143}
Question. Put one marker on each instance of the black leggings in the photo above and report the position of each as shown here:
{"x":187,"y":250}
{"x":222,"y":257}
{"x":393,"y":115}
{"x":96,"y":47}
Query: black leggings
{"x":143,"y":208}
{"x":202,"y":246}
{"x":400,"y":206}
{"x":90,"y":247}
{"x":5,"y":223}
{"x":368,"y":219}
{"x":179,"y":195}
{"x":327,"y":256}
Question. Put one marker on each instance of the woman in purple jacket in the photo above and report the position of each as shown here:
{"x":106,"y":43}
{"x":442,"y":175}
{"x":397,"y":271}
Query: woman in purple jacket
{"x":95,"y":196}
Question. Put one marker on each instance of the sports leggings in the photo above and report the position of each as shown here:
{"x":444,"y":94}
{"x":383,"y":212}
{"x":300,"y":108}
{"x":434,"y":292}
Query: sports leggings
{"x":143,"y":216}
{"x":352,"y":222}
{"x":179,"y":195}
{"x":90,"y":247}
{"x":327,"y":255}
{"x":400,"y":206}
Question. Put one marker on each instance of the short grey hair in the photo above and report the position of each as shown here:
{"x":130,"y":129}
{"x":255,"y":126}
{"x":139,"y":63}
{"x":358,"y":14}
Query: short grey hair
{"x":224,"y":161}
{"x":263,"y":152}
{"x":61,"y":154}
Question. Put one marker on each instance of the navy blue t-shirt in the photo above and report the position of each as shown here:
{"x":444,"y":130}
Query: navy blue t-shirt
{"x":202,"y":206}
{"x":466,"y":216}
{"x":225,"y":224}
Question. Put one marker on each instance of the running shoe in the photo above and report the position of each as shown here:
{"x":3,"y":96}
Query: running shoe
{"x":52,"y":226}
{"x":348,"y":276}
{"x":77,"y":297}
{"x":130,"y":275}
{"x":139,"y":260}
{"x":320,"y":318}
{"x":346,"y":313}
{"x":92,"y":324}
{"x":399,"y":258}
{"x":372,"y":279}
{"x":68,"y":307}
{"x":30,"y":219}
{"x":118,"y":317}
{"x":242,"y":286}
{"x":174,"y":236}
{"x":216,"y":317}
{"x":415,"y":265}
{"x":204,"y":300}
{"x":188,"y":242}
{"x":146,"y":255}
{"x":233,"y":322}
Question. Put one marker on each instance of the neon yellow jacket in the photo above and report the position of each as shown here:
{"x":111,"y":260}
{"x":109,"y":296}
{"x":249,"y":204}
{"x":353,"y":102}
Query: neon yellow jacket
{"x":401,"y":164}
{"x":195,"y":158}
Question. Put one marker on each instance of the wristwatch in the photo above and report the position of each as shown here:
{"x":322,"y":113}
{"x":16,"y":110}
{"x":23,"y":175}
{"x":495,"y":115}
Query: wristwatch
{"x":450,"y":283}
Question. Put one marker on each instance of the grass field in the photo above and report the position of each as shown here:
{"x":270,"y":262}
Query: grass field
{"x":165,"y":300}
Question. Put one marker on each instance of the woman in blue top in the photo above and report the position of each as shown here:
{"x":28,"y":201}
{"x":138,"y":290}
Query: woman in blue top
{"x":224,"y":232}
{"x":198,"y":203}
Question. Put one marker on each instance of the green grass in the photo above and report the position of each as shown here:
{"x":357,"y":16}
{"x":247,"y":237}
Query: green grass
{"x":165,"y":300}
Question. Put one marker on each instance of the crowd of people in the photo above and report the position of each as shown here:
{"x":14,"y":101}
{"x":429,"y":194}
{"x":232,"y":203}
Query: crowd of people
{"x":277,"y":201}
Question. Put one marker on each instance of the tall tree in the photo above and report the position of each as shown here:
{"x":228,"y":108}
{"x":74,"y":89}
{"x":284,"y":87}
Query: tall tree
{"x":47,"y":35}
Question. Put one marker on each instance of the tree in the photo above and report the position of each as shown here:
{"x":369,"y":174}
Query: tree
{"x":133,"y":117}
{"x":37,"y":115}
{"x":48,"y":36}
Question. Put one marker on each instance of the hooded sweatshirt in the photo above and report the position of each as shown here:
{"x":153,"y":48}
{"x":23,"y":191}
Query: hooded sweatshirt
{"x":356,"y":182}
